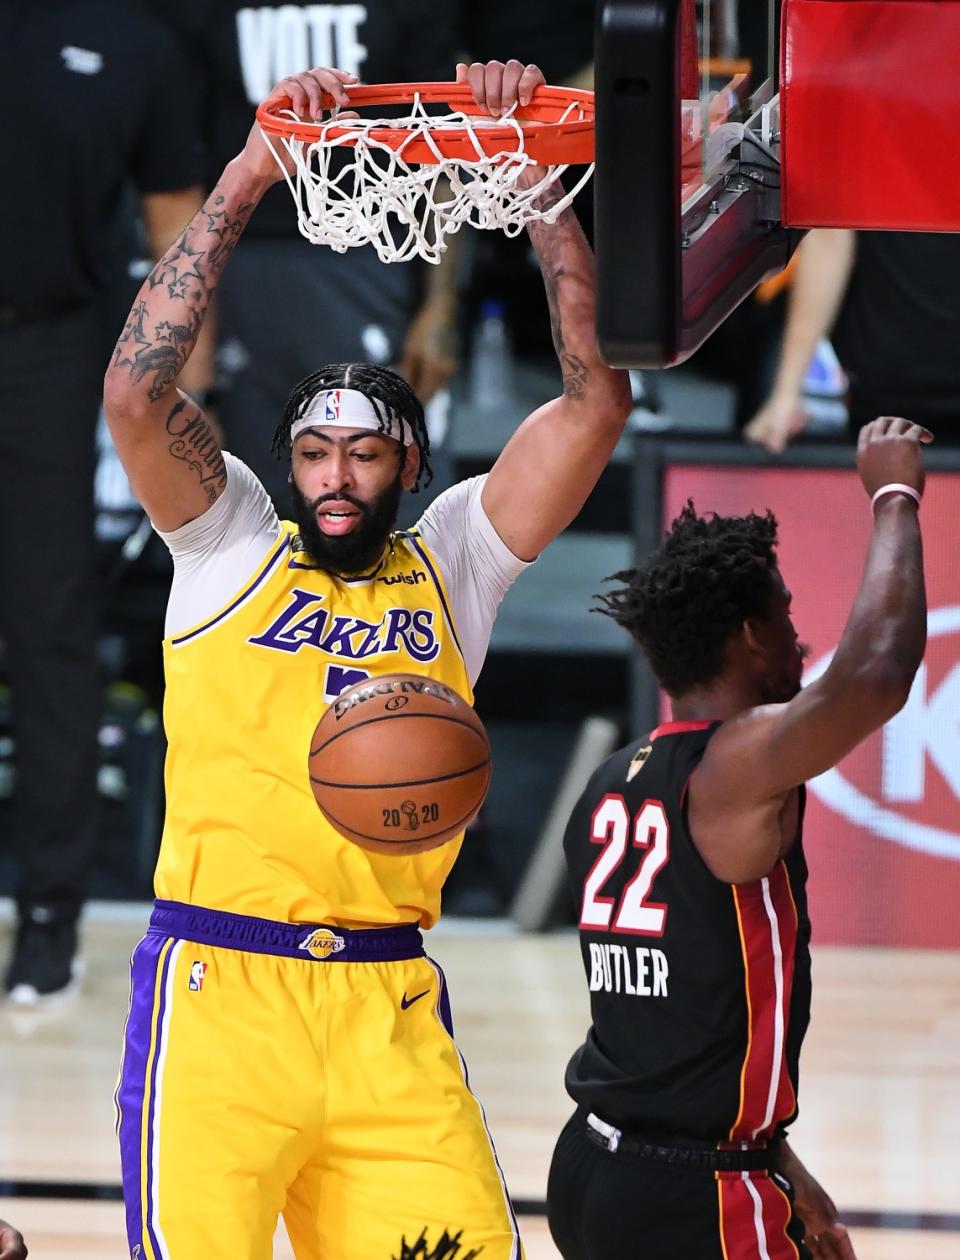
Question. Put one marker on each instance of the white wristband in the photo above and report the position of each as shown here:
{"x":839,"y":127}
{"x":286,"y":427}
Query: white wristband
{"x":895,"y":487}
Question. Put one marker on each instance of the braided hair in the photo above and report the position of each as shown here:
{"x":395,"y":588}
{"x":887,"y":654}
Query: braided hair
{"x":389,"y":394}
{"x":685,"y":600}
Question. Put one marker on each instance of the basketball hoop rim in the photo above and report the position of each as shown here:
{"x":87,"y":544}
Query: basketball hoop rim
{"x":539,"y":132}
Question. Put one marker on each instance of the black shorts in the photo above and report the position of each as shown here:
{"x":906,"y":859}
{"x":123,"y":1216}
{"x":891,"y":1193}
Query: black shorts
{"x":618,"y":1206}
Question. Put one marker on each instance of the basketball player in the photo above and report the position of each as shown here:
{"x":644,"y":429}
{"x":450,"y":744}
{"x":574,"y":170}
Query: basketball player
{"x":12,"y":1246}
{"x":686,"y":861}
{"x":289,"y":1047}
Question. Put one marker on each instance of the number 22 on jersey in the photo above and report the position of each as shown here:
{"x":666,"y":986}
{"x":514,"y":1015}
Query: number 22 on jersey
{"x":612,"y":827}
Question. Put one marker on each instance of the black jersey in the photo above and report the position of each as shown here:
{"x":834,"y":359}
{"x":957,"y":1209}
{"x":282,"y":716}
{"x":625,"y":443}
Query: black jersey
{"x":699,"y":990}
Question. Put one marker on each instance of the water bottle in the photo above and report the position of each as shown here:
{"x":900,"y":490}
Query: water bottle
{"x":824,"y":391}
{"x":491,"y":363}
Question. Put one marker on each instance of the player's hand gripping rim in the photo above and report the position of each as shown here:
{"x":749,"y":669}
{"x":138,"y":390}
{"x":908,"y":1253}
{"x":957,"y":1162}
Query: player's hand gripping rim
{"x":498,"y":86}
{"x":305,"y":93}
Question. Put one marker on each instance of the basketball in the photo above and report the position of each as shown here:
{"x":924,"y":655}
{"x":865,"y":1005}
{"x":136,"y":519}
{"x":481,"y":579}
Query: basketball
{"x":399,"y":764}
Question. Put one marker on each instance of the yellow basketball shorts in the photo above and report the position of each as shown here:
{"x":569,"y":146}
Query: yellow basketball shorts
{"x":296,"y":1069}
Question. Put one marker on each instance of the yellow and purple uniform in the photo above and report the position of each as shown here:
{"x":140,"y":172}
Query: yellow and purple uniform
{"x":289,"y":1048}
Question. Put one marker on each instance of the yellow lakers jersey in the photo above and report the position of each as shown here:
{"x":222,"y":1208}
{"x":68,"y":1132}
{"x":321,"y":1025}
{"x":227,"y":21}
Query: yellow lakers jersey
{"x":245,"y":690}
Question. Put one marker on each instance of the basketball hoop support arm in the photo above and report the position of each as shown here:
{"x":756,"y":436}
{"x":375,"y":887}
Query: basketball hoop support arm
{"x":669,"y":273}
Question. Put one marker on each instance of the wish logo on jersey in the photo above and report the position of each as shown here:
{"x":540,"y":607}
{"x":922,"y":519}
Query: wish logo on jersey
{"x":304,"y":623}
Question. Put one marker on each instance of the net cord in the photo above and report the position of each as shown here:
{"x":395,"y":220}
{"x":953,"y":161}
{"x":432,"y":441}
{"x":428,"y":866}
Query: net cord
{"x":409,"y":210}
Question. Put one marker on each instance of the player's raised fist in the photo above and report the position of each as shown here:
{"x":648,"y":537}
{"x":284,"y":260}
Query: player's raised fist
{"x":889,"y":452}
{"x":498,"y":85}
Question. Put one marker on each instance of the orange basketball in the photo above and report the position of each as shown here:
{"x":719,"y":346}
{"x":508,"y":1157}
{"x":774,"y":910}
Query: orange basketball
{"x":399,"y":764}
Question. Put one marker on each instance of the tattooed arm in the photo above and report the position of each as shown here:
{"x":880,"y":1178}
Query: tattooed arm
{"x":167,"y":445}
{"x":553,"y":461}
{"x":164,"y":215}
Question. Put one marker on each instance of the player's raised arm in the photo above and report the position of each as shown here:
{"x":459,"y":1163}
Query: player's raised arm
{"x":553,"y":461}
{"x":737,"y":792}
{"x":167,"y":446}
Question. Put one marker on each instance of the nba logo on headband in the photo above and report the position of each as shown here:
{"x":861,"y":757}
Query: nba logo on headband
{"x":350,"y":409}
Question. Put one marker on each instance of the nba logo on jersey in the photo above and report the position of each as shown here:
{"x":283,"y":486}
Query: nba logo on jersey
{"x":321,"y":943}
{"x":197,"y":972}
{"x":333,"y":406}
{"x":638,"y":761}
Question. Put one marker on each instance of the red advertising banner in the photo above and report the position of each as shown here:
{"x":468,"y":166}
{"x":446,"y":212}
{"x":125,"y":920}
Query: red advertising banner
{"x":882,"y":833}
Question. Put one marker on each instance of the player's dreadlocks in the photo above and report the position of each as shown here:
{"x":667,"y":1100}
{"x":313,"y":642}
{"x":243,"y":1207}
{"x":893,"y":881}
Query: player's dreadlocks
{"x":388,"y":392}
{"x":685,"y":600}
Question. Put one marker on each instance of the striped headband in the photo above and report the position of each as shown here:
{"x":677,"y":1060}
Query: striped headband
{"x":349,"y":409}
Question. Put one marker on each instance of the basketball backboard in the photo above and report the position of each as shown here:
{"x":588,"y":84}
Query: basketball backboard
{"x":687,"y":184}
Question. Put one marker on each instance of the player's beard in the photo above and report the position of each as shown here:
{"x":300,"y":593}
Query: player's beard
{"x":358,"y":551}
{"x":787,"y":681}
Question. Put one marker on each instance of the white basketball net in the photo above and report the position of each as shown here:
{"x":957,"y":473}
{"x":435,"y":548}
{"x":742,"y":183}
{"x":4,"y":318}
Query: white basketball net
{"x":408,"y":210}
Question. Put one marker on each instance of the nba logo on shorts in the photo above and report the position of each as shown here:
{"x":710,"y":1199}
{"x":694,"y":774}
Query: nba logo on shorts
{"x":197,"y":972}
{"x":333,"y":405}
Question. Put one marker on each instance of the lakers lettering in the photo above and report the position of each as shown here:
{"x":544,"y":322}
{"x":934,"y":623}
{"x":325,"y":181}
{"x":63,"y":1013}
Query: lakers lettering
{"x":305,"y":623}
{"x":640,"y":971}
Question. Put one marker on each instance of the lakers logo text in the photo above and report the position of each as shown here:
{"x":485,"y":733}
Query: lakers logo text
{"x":305,"y":623}
{"x":322,"y":943}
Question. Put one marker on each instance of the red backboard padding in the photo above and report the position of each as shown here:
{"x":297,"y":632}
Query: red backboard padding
{"x":870,"y":114}
{"x":689,"y":71}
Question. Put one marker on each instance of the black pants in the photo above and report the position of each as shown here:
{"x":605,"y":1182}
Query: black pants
{"x":602,"y":1205}
{"x":51,"y":372}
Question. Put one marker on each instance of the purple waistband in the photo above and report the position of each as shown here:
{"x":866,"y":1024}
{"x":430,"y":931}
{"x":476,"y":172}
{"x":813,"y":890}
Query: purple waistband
{"x":288,"y":940}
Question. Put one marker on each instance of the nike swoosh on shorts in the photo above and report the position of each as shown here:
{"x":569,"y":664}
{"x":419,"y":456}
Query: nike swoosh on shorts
{"x":405,"y":1001}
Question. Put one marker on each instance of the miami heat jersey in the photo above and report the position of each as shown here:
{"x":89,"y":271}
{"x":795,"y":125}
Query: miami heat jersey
{"x":699,"y":990}
{"x":244,"y":692}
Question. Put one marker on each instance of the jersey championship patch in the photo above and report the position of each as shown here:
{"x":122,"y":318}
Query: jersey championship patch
{"x":448,"y":1248}
{"x":638,"y":761}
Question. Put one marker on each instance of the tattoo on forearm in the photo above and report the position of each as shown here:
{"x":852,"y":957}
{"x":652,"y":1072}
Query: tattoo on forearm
{"x":575,"y":375}
{"x":195,"y":443}
{"x":548,"y":245}
{"x":163,"y":326}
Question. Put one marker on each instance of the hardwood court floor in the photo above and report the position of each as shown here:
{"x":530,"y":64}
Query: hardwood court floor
{"x":83,"y":1230}
{"x":880,"y":1091}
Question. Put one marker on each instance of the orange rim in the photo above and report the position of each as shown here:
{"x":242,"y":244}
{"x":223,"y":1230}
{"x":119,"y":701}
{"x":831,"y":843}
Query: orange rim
{"x":544,"y":138}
